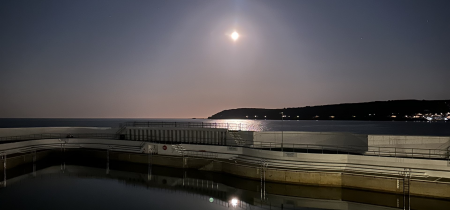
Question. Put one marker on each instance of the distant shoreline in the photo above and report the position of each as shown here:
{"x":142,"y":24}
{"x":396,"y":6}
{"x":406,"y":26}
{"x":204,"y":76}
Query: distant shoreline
{"x":399,"y":110}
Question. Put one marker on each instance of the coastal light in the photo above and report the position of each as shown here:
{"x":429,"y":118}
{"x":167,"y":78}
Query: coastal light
{"x":235,"y":36}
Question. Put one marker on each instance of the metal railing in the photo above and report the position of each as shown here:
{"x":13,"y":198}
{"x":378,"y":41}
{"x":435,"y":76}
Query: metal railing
{"x":202,"y":154}
{"x":310,"y":148}
{"x":271,"y":146}
{"x":176,"y":140}
{"x":355,"y":150}
{"x":58,"y":136}
{"x":228,"y":126}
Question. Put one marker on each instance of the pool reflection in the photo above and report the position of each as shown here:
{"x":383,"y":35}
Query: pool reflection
{"x":76,"y":183}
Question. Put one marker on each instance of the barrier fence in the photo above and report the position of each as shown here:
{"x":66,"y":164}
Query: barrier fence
{"x":228,"y":126}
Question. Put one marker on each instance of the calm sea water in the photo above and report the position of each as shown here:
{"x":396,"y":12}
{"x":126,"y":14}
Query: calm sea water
{"x":358,"y":127}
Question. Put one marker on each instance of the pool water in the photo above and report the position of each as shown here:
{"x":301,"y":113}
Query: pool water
{"x":93,"y":184}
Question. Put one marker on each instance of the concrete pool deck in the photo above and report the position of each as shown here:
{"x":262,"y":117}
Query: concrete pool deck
{"x":425,"y":170}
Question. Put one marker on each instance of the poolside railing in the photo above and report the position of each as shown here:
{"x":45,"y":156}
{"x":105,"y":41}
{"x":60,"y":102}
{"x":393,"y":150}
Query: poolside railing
{"x":402,"y":152}
{"x":228,"y":126}
{"x":57,"y":136}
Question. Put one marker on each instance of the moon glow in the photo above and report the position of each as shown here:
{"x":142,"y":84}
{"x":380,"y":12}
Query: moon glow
{"x":234,"y":36}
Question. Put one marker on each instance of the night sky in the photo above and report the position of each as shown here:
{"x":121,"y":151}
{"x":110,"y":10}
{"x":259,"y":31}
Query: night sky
{"x":175,"y":59}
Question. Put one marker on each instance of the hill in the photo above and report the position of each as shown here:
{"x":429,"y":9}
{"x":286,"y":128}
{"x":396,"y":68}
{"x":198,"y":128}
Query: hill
{"x":376,"y":110}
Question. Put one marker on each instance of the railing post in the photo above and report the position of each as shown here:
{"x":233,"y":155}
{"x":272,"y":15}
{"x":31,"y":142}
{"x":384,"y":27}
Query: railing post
{"x":107,"y":161}
{"x":34,"y":163}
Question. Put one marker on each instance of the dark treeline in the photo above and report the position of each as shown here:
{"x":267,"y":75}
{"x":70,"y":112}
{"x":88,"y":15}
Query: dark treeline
{"x":377,"y":110}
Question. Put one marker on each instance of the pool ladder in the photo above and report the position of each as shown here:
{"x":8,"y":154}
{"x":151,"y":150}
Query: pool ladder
{"x":406,"y":173}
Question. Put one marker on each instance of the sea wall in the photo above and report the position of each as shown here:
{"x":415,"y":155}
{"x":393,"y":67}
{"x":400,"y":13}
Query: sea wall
{"x":349,"y":139}
{"x":206,"y":135}
{"x":4,"y":132}
{"x":426,"y":142}
{"x":317,"y":138}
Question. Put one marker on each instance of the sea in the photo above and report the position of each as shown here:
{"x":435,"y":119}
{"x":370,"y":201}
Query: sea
{"x":439,"y":128}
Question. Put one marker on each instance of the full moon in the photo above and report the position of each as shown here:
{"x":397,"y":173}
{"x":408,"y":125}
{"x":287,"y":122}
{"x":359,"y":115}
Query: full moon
{"x":235,"y":36}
